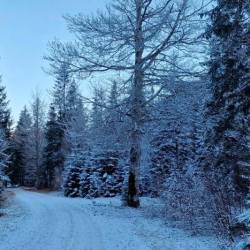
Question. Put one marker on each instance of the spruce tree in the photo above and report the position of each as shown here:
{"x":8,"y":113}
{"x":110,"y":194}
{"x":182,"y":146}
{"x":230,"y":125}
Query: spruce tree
{"x":176,"y":135}
{"x":76,"y":139}
{"x":3,"y":162}
{"x":74,"y":168}
{"x":102,"y":175}
{"x":60,"y":89}
{"x":163,"y":159}
{"x":72,"y":100}
{"x":19,"y":146}
{"x":228,"y":110}
{"x":5,"y":127}
{"x":97,"y":119}
{"x":53,"y":151}
{"x":227,"y":153}
{"x":76,"y":128}
{"x":56,"y":148}
{"x":115,"y":125}
{"x":5,"y":120}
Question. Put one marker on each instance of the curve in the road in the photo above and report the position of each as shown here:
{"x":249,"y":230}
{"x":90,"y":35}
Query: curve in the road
{"x":53,"y":223}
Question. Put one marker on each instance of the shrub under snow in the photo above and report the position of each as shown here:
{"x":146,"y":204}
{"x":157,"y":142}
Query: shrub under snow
{"x":187,"y":202}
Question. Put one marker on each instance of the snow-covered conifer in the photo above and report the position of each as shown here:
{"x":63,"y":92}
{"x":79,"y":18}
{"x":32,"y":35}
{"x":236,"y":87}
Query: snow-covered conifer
{"x":227,"y":137}
{"x":5,"y":119}
{"x":20,"y":144}
{"x":53,"y":152}
{"x":76,"y":127}
{"x":73,"y":170}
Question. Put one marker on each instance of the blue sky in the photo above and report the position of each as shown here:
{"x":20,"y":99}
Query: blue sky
{"x":26,"y":26}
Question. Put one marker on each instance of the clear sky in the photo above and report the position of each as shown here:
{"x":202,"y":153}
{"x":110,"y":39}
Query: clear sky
{"x":26,"y":26}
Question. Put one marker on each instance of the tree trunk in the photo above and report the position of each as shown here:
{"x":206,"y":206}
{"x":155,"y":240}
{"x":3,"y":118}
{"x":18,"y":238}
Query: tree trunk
{"x":134,"y":167}
{"x":136,"y":114}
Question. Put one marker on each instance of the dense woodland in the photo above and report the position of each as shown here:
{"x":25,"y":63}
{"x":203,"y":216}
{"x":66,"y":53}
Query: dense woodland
{"x":168,"y":116}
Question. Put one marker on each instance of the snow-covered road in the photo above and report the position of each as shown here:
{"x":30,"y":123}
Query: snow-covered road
{"x":37,"y":221}
{"x":52,"y":223}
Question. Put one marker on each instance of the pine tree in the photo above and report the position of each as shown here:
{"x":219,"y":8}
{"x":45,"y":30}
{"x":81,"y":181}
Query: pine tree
{"x":60,"y":89}
{"x":95,"y":184}
{"x":76,"y":139}
{"x":97,"y":119}
{"x":177,"y":131}
{"x":20,"y":148}
{"x":74,"y":168}
{"x":5,"y":127}
{"x":3,"y":161}
{"x":76,"y":128}
{"x":227,"y":138}
{"x":56,"y":148}
{"x":164,"y":159}
{"x":116,"y":125}
{"x":84,"y":183}
{"x":5,"y":120}
{"x":72,"y":100}
{"x":102,"y":175}
{"x":53,"y":151}
{"x":228,"y":110}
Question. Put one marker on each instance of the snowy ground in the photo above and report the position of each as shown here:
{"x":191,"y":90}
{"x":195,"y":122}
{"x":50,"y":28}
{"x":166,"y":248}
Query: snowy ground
{"x":37,"y":221}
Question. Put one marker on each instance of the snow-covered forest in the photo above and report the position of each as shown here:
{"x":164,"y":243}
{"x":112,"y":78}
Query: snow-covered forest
{"x":163,"y":137}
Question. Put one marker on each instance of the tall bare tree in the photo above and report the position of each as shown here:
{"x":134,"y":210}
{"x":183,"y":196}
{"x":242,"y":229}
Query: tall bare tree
{"x":135,"y":39}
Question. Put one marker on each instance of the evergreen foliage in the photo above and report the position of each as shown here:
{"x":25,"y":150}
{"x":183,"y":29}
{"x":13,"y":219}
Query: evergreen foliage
{"x":5,"y":128}
{"x":20,"y":143}
{"x":5,"y":119}
{"x":227,"y":139}
{"x":74,"y":168}
{"x":53,"y":153}
{"x":94,"y":175}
